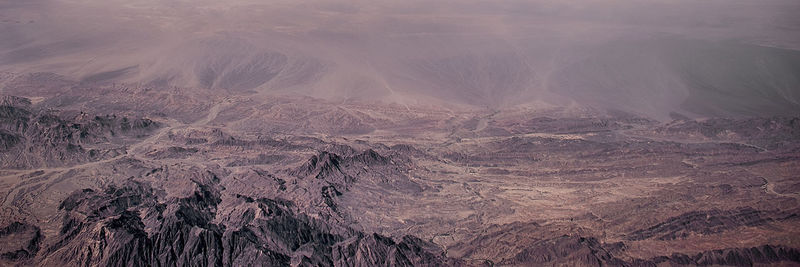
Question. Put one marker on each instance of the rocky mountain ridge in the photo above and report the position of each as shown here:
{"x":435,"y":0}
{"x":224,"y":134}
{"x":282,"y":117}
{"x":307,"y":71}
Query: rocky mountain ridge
{"x":191,"y":194}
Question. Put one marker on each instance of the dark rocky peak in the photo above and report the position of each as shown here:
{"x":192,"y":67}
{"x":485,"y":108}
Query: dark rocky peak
{"x":14,"y":118}
{"x":15,"y":101}
{"x":12,"y":107}
{"x":52,"y":127}
{"x":369,"y":157}
{"x":338,"y":172}
{"x":204,"y":195}
{"x":119,"y":124}
{"x":110,"y":201}
{"x":378,"y":250}
{"x":197,"y":210}
{"x":131,"y":225}
{"x":136,"y":124}
{"x":339,"y":149}
{"x":48,"y":118}
{"x":320,"y":166}
{"x":269,"y":206}
{"x":404,"y":148}
{"x":11,"y":113}
{"x":219,"y":138}
{"x":8,"y":140}
{"x":137,"y":230}
{"x":190,"y":137}
{"x":20,"y":241}
{"x":567,"y":251}
{"x":128,"y":221}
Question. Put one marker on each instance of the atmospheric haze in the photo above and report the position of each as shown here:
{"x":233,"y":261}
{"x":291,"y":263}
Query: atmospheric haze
{"x":699,"y":58}
{"x":400,"y":133}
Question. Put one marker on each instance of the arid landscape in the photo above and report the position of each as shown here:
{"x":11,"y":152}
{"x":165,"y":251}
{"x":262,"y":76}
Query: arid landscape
{"x":519,"y":133}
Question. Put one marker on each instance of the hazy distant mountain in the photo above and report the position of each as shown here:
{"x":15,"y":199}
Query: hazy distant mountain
{"x":710,"y":58}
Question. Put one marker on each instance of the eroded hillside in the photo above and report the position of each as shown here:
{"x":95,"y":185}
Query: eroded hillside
{"x":200,"y":177}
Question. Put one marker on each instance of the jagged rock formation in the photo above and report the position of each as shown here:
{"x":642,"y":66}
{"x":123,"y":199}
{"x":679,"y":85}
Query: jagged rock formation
{"x":399,"y":133}
{"x":130,"y":225}
{"x":501,"y":189}
{"x":377,"y":250}
{"x":321,"y":166}
{"x":20,"y":242}
{"x":32,"y":137}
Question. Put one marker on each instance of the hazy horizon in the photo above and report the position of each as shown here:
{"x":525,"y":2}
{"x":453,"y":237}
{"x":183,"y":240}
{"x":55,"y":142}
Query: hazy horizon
{"x":700,"y":58}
